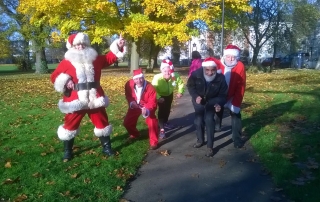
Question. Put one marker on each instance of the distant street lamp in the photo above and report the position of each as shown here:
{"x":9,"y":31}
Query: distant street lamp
{"x":194,"y":46}
{"x":222,"y":30}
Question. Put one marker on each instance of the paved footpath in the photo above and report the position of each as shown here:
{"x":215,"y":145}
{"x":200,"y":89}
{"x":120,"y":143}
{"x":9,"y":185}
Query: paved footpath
{"x":186,"y":175}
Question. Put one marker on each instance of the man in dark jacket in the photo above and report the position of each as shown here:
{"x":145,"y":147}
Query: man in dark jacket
{"x":209,"y":92}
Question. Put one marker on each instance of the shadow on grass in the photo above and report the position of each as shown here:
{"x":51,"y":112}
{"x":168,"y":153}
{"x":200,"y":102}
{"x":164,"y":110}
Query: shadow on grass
{"x":264,"y":117}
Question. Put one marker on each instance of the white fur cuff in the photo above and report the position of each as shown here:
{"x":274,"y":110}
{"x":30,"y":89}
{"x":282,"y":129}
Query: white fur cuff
{"x":235,"y":109}
{"x":61,"y":81}
{"x":115,"y":49}
{"x":104,"y":132}
{"x":65,"y":134}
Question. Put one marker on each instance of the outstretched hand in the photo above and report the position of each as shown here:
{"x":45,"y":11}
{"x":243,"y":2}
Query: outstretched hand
{"x":121,"y":42}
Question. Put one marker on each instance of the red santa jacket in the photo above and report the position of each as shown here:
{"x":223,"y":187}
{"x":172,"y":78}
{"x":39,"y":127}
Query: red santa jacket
{"x":83,"y":72}
{"x":148,"y":97}
{"x":236,"y":85}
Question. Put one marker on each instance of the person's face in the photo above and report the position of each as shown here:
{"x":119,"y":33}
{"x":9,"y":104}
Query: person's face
{"x":79,"y":46}
{"x":139,"y":81}
{"x":210,"y":71}
{"x":166,"y":72}
{"x":230,"y":60}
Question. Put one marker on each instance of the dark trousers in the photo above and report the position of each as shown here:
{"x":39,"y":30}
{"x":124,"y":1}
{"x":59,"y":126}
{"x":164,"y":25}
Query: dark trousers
{"x":204,"y":120}
{"x":164,"y":110}
{"x":236,"y":125}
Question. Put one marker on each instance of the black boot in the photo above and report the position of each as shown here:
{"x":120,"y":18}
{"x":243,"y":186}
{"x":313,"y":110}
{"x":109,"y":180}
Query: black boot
{"x":68,"y":144}
{"x":106,"y":145}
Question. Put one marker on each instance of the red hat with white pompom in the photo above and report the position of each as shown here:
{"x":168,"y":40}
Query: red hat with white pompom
{"x":209,"y":62}
{"x":79,"y":38}
{"x":232,"y":50}
{"x":137,"y":73}
{"x":167,"y":63}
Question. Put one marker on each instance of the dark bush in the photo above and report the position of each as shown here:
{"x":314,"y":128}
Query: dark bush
{"x":22,"y":63}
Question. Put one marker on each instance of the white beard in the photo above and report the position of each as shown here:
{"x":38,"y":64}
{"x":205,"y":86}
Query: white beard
{"x":209,"y":78}
{"x":230,"y":64}
{"x":85,"y":56}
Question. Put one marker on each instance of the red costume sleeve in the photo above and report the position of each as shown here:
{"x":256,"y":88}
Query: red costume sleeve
{"x":240,"y":78}
{"x":151,"y":103}
{"x":128,"y":88}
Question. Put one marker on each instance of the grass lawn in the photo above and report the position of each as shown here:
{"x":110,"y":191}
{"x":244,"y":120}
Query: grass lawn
{"x":280,"y":113}
{"x":282,"y":116}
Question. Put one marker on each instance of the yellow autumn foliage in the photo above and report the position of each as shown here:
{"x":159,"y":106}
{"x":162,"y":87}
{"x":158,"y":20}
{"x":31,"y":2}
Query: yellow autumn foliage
{"x":159,"y":20}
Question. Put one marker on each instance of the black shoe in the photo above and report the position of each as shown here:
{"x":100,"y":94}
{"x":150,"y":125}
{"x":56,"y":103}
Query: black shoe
{"x":209,"y":152}
{"x":68,"y":154}
{"x":198,"y":145}
{"x":238,"y":145}
{"x":106,"y":145}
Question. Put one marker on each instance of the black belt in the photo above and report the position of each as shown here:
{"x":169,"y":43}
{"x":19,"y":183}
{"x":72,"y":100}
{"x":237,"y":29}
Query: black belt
{"x":86,"y":86}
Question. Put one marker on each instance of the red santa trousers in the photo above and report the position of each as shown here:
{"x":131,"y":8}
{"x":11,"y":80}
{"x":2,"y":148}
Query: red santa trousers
{"x":130,"y":123}
{"x":98,"y":117}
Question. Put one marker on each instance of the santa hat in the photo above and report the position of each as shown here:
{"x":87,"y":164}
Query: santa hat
{"x":209,"y":62}
{"x":79,"y":38}
{"x":167,"y":63}
{"x":137,"y":73}
{"x":232,"y":50}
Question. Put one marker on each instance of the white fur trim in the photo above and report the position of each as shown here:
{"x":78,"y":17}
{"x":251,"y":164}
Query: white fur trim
{"x":68,"y":45}
{"x":209,"y":64}
{"x":115,"y":49}
{"x":104,"y":132}
{"x":137,"y":76}
{"x":73,"y":106}
{"x":234,"y":52}
{"x":77,"y":105}
{"x":61,"y":81}
{"x":99,"y":102}
{"x":81,"y":38}
{"x":164,"y":65}
{"x":235,"y":109}
{"x":219,"y":71}
{"x":65,"y":134}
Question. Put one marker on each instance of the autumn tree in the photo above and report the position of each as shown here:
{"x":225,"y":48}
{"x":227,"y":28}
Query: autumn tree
{"x":159,"y":21}
{"x":5,"y":50}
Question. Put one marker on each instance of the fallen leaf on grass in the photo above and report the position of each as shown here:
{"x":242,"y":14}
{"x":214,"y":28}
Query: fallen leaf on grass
{"x":43,"y":154}
{"x":8,"y":165}
{"x":21,"y":198}
{"x":10,"y":181}
{"x":67,"y":193}
{"x":87,"y":181}
{"x":19,"y":152}
{"x":50,"y":183}
{"x":74,"y":175}
{"x":37,"y":174}
{"x":119,"y":188}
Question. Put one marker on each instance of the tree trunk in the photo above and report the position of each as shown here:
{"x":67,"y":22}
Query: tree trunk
{"x":153,"y":58}
{"x":41,"y":62}
{"x":134,"y":59}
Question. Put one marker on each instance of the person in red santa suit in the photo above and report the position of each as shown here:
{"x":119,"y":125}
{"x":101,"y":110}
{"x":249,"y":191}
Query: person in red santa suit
{"x":142,"y":100}
{"x":78,"y":77}
{"x":235,"y":74}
